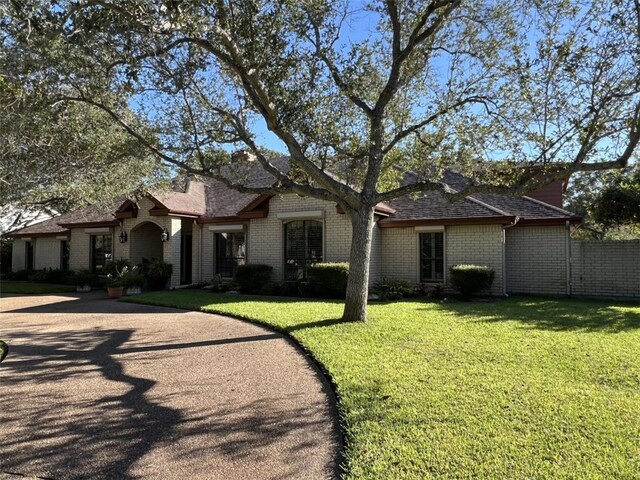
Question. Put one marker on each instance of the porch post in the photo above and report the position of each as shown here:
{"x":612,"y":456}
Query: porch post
{"x":171,"y":248}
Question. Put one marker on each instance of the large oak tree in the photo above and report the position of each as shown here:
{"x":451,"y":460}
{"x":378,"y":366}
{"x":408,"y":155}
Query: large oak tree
{"x":503,"y":90}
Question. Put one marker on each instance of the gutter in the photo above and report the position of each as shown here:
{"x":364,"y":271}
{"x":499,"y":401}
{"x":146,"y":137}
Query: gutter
{"x":504,"y":254}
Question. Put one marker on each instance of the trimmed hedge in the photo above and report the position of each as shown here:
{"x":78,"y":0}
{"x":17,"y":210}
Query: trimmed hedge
{"x":251,"y":278}
{"x":470,"y":279}
{"x":328,"y":280}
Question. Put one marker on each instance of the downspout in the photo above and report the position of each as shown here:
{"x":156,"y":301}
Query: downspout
{"x":200,"y":254}
{"x":504,"y":254}
{"x":568,"y":256}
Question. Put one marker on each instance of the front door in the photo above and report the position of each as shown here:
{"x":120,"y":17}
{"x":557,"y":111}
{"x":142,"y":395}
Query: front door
{"x":186,"y":256}
{"x":28,"y":255}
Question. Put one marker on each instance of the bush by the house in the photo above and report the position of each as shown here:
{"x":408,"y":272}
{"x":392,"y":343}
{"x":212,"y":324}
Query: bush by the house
{"x":156,"y":273}
{"x":20,"y":275}
{"x":52,"y":275}
{"x":470,"y":279}
{"x":328,"y":280}
{"x":251,"y":278}
{"x":430,"y":290}
{"x":391,"y":289}
{"x":83,"y":278}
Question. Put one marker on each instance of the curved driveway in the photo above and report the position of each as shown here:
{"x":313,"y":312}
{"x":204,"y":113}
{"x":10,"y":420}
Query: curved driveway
{"x":94,"y":388}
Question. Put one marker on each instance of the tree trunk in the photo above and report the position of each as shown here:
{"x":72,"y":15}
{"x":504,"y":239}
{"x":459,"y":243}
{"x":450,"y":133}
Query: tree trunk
{"x":355,"y":308}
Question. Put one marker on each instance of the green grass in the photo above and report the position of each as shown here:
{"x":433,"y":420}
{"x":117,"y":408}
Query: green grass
{"x":33,"y":288}
{"x":519,"y":388}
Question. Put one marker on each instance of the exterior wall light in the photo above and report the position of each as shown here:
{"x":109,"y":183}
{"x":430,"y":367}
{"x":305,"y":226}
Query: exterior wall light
{"x":123,"y":237}
{"x":164,"y":236}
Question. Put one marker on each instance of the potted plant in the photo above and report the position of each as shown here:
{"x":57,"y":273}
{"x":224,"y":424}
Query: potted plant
{"x":117,"y":272}
{"x":115,"y":289}
{"x":83,"y":280}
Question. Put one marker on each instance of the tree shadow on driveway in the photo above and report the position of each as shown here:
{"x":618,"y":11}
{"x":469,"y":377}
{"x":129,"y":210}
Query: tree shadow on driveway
{"x":70,"y":408}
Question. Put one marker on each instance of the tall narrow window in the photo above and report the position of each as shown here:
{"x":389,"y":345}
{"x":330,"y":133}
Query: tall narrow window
{"x":28,"y":255}
{"x":230,"y":252}
{"x":64,"y":255}
{"x":101,"y":252}
{"x":302,"y":247}
{"x":432,"y":257}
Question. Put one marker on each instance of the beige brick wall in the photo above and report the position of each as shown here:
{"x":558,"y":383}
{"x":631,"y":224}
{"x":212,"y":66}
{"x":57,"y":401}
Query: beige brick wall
{"x":399,"y":254}
{"x":606,"y":269}
{"x":477,"y":244}
{"x":18,"y":251}
{"x":375,"y":265}
{"x":171,"y":249}
{"x":80,"y":248}
{"x":536,"y":260}
{"x":207,"y":253}
{"x":47,"y":253}
{"x":196,"y":274}
{"x":265,"y":235}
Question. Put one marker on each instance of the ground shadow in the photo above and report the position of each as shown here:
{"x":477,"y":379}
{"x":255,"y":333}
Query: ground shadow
{"x":552,"y":314}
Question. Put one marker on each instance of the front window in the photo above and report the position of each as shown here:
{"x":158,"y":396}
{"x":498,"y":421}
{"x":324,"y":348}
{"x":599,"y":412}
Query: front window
{"x":230,"y":252}
{"x":302,"y":246}
{"x":101,"y":252}
{"x":432,"y":257}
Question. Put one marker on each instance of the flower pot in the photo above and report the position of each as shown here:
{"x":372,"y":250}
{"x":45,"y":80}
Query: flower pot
{"x":133,"y":291}
{"x":115,"y":292}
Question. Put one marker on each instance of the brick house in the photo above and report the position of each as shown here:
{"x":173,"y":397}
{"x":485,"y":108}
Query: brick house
{"x":207,"y":229}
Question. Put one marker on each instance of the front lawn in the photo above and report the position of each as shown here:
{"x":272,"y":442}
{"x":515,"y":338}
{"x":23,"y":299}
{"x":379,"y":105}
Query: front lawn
{"x":519,"y":388}
{"x":33,"y":288}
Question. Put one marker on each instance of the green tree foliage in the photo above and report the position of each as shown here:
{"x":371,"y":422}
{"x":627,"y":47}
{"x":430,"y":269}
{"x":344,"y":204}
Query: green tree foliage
{"x":64,"y":155}
{"x":502,"y":90}
{"x":609,"y":204}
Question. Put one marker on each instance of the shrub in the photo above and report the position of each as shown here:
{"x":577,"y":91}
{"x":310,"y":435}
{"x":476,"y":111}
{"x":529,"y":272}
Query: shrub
{"x":251,"y":278}
{"x":116,"y":268}
{"x":390,"y":289}
{"x":85,"y":277}
{"x":431,"y":291}
{"x":156,"y":273}
{"x":470,"y":279}
{"x":52,"y":275}
{"x":328,"y":280}
{"x":21,"y":275}
{"x":271,"y":288}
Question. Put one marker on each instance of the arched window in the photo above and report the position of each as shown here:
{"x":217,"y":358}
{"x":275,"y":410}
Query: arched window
{"x":302,"y":247}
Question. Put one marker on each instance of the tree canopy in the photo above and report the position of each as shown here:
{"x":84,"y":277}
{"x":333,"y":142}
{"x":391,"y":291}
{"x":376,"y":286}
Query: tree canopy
{"x":357,"y":92}
{"x":609,"y":203}
{"x":60,"y":156}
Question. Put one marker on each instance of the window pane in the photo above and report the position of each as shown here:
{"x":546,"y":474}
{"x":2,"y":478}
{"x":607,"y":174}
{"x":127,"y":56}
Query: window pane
{"x":432,"y":257}
{"x":230,"y":252}
{"x":303,"y":246}
{"x":294,"y":250}
{"x":100,"y":251}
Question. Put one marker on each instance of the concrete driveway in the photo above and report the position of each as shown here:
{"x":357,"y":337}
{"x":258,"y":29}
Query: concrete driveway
{"x":94,"y":388}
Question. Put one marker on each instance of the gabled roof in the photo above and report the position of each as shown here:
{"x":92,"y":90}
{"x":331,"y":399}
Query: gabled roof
{"x":433,"y":207}
{"x":212,"y":201}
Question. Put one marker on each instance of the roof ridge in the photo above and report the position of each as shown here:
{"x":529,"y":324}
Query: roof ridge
{"x":548,"y":205}
{"x":489,"y":206}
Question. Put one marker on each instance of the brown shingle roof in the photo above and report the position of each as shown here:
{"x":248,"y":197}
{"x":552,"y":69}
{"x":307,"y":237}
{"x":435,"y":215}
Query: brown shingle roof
{"x":213,"y":199}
